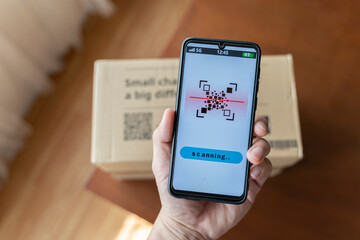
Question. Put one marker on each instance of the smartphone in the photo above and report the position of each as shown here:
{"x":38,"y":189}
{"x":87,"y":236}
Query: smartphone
{"x":214,"y":117}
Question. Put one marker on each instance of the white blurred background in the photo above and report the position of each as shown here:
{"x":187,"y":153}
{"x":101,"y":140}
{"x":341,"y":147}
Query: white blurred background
{"x":34,"y":35}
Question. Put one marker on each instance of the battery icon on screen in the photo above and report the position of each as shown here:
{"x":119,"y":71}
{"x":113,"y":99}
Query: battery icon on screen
{"x":248,"y":55}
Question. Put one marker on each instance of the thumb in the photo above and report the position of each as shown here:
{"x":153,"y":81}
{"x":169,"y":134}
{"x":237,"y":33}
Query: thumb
{"x":163,"y":133}
{"x":162,"y":138}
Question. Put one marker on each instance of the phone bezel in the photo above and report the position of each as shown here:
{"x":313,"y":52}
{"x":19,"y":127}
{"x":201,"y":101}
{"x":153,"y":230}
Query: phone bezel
{"x":209,"y":196}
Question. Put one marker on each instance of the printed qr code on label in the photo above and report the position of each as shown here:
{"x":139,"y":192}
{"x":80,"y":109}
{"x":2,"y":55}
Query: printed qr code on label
{"x":138,"y":126}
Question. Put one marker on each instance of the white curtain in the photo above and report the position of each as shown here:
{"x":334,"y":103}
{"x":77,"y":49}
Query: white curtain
{"x":34,"y":34}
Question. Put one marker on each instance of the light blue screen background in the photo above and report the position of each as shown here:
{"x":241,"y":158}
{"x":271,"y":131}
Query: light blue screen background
{"x":214,"y":131}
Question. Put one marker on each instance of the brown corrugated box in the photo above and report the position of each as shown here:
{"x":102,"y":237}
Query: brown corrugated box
{"x":130,"y":97}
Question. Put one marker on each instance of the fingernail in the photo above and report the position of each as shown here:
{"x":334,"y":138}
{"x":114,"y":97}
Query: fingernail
{"x":256,"y":153}
{"x":163,"y":117}
{"x":255,"y":172}
{"x":262,"y":125}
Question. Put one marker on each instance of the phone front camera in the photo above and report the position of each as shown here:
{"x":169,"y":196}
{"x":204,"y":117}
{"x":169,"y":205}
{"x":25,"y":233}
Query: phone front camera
{"x":221,"y":45}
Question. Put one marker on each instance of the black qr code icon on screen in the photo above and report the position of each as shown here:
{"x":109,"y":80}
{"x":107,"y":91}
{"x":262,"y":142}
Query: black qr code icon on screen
{"x":138,"y":126}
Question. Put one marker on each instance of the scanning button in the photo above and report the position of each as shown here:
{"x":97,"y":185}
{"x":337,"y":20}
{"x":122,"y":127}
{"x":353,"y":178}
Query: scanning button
{"x":212,"y":155}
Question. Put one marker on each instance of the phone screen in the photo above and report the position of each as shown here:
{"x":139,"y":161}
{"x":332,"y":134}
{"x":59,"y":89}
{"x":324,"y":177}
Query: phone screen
{"x":214,"y":119}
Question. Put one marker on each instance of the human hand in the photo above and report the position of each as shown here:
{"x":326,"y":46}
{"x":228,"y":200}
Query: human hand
{"x":190,"y":219}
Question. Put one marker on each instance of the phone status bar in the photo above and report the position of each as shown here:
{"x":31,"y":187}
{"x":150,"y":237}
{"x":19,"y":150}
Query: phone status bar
{"x":220,"y":52}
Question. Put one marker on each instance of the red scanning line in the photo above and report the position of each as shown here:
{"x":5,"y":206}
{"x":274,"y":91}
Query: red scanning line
{"x":224,"y":100}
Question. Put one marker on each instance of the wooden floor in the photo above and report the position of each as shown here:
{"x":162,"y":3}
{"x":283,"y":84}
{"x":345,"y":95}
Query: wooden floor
{"x":44,"y":197}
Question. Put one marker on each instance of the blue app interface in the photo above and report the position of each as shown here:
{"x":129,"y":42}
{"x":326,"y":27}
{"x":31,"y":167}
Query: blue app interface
{"x":214,"y":119}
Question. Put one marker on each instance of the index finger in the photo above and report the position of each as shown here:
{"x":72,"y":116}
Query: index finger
{"x":260,"y":126}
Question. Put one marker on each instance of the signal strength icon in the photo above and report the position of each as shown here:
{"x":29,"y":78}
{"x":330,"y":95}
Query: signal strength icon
{"x":191,"y":50}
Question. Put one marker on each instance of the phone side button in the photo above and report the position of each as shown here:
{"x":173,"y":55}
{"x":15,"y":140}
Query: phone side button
{"x":259,"y":72}
{"x":257,"y":86}
{"x":256,"y":103}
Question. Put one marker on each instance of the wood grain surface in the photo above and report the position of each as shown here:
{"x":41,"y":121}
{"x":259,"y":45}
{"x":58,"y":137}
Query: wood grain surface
{"x":319,"y":197}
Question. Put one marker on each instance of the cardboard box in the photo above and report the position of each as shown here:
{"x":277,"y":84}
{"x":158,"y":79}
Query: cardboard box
{"x":130,"y":97}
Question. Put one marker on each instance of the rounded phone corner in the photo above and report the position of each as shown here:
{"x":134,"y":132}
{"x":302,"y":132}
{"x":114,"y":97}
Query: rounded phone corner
{"x":187,"y":40}
{"x":242,"y":199}
{"x":257,"y":47}
{"x":172,"y":191}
